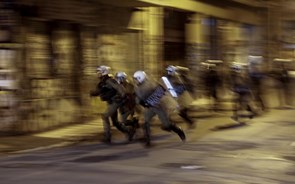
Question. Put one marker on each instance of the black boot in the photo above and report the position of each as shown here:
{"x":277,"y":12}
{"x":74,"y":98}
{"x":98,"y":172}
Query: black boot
{"x":107,"y":138}
{"x":131,"y":133}
{"x":133,"y":122}
{"x":132,"y":125}
{"x":179,"y":132}
{"x":120,"y":126}
{"x":124,"y":129}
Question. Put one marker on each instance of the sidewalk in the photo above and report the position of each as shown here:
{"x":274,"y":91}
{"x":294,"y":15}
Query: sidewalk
{"x":94,"y":129}
{"x":67,"y":135}
{"x":53,"y":138}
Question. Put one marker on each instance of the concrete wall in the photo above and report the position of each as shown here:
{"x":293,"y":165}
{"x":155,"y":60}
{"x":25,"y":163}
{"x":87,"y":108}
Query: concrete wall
{"x":62,"y":46}
{"x":120,"y":37}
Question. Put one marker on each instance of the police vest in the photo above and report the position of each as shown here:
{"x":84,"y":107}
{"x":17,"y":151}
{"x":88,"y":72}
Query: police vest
{"x":107,"y":92}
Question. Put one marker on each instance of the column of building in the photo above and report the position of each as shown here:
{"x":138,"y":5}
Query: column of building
{"x":153,"y":40}
{"x":197,"y":47}
{"x":9,"y":58}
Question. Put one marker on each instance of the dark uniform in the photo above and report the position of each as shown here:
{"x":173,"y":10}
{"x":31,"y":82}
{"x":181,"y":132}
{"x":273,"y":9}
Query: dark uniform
{"x":128,"y":104}
{"x":241,"y":86}
{"x":212,"y":83}
{"x":256,"y":77}
{"x":109,"y":90}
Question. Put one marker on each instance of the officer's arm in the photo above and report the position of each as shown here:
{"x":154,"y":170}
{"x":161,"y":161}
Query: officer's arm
{"x":141,"y":102}
{"x":95,"y":92}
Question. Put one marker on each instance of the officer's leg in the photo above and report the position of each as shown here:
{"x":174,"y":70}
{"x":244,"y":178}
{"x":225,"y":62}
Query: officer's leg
{"x":261,"y":102}
{"x":216,"y":100}
{"x":148,"y":115}
{"x":236,"y":104}
{"x":168,"y":125}
{"x":130,"y":120}
{"x":258,"y":92}
{"x":129,"y":124}
{"x":106,"y":123}
{"x":114,"y":115}
{"x":250,"y":104}
{"x":125,"y":114}
{"x":184,"y":115}
{"x":121,"y":126}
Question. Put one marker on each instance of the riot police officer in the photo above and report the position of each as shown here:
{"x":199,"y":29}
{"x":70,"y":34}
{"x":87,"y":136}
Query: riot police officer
{"x":156,"y":101}
{"x":256,"y":75}
{"x":128,"y":104}
{"x":241,"y":86}
{"x":112,"y":93}
{"x":212,"y":81}
{"x":182,"y":95}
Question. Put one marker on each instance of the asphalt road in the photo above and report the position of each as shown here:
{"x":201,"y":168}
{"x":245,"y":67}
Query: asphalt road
{"x":217,"y":151}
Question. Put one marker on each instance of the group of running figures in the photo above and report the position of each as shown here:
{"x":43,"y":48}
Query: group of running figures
{"x":171,"y":94}
{"x":143,"y":96}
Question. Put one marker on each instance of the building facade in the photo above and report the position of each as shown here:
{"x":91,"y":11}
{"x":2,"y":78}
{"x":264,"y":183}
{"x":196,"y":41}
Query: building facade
{"x":50,"y":49}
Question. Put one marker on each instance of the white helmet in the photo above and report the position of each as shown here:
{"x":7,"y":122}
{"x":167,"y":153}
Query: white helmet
{"x":139,"y":76}
{"x":236,"y":67}
{"x":171,"y":70}
{"x":121,"y":76}
{"x":103,"y":70}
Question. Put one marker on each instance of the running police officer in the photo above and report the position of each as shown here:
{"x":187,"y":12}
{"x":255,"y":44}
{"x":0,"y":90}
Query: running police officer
{"x":241,"y":86}
{"x":182,"y":95}
{"x":110,"y":91}
{"x":156,"y":101}
{"x":128,"y":104}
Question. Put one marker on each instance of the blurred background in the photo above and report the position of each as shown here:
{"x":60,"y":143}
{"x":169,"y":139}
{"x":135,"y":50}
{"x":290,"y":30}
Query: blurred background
{"x":49,"y":51}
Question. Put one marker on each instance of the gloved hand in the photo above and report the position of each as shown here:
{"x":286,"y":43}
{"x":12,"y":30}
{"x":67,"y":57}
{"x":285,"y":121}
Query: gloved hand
{"x":144,"y":104}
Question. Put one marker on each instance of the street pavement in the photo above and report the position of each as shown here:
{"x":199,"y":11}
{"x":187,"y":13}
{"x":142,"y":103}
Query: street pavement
{"x":218,"y":151}
{"x":67,"y":135}
{"x":92,"y":130}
